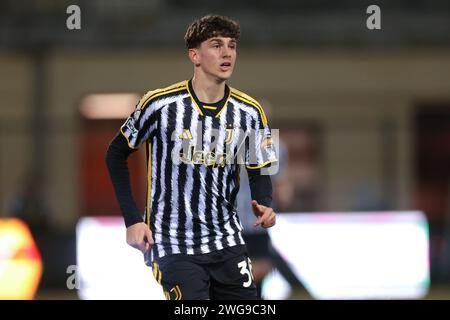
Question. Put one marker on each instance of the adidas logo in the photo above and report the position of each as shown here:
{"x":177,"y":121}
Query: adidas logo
{"x":186,"y":134}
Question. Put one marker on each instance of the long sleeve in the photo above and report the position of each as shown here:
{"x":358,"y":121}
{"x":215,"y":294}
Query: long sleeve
{"x":116,"y":160}
{"x":260,"y":187}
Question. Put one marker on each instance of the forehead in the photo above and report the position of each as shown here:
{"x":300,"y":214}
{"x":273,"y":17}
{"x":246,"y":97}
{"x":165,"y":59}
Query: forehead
{"x":220,"y":39}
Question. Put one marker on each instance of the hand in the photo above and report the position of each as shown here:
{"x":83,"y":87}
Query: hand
{"x":140,"y":237}
{"x":266,"y":217}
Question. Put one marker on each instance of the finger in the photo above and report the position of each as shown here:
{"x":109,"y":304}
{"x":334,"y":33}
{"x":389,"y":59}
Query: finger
{"x":140,"y":246}
{"x":140,"y":242}
{"x":145,"y":245}
{"x":257,"y":208}
{"x":274,"y":221}
{"x":263,"y":217}
{"x":135,"y":243}
{"x":256,"y":205}
{"x":266,"y":214}
{"x":260,"y":219}
{"x":270,"y":222}
{"x":149,"y":237}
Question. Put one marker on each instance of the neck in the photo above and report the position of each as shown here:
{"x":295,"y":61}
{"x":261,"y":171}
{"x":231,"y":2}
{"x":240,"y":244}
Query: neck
{"x":208,"y":90}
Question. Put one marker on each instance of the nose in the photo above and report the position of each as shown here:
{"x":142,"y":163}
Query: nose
{"x":226,"y":52}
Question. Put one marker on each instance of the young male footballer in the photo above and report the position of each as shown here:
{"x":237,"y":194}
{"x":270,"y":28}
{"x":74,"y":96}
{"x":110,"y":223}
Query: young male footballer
{"x":196,"y":132}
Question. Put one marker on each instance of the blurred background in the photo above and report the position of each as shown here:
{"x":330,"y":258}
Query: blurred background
{"x":364,"y":115}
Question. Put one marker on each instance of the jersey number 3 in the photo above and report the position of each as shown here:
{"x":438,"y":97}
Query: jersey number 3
{"x":245,"y":267}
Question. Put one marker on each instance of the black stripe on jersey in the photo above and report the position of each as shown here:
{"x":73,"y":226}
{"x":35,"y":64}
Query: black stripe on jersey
{"x":233,"y":201}
{"x":235,"y":177}
{"x":225,"y":188}
{"x":150,"y":121}
{"x":197,"y":181}
{"x":153,"y":203}
{"x":249,"y":101}
{"x":229,"y":177}
{"x":147,"y":124}
{"x":158,"y":184}
{"x":220,"y":186}
{"x":233,"y":193}
{"x":147,"y":198}
{"x":208,"y":189}
{"x":154,"y":116}
{"x":182,"y":174}
{"x":230,"y":113}
{"x":165,"y":226}
{"x":230,"y":121}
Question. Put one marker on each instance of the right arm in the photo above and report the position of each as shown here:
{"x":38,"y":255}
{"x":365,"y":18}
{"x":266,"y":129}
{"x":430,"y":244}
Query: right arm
{"x":116,"y":160}
{"x":137,"y":129}
{"x":139,"y":235}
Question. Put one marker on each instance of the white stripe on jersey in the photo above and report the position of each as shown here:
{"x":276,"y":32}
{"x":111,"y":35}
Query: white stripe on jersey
{"x":233,"y":147}
{"x":219,"y":149}
{"x":156,"y":213}
{"x":164,"y":162}
{"x":202,"y":199}
{"x":250,"y":114}
{"x":214,"y":187}
{"x":174,"y":180}
{"x":154,"y":168}
{"x":147,"y":113}
{"x":188,"y":195}
{"x":153,"y":212}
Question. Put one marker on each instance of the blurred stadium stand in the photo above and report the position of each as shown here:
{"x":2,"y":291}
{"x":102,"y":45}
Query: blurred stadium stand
{"x":155,"y":23}
{"x":365,"y":114}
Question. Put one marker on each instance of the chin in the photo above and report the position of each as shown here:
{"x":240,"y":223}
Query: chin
{"x":224,"y":76}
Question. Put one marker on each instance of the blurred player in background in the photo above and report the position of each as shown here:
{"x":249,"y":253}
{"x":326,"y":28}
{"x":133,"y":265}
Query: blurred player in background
{"x":194,"y":131}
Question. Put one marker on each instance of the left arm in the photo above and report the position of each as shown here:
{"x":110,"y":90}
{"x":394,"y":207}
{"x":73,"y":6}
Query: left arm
{"x":260,"y":153}
{"x":261,"y":190}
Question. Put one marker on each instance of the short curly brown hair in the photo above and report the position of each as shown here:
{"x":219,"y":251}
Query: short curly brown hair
{"x":208,"y":27}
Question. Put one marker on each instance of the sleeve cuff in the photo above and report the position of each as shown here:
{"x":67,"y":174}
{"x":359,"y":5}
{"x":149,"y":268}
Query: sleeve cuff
{"x":133,"y":219}
{"x":265,"y":164}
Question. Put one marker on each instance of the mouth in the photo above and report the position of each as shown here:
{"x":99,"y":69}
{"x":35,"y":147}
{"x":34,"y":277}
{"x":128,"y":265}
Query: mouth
{"x":225,"y":65}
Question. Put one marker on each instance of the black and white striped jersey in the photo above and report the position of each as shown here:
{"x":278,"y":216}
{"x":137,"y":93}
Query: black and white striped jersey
{"x":193,"y":155}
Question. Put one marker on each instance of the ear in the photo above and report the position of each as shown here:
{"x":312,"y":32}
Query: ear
{"x":194,"y":56}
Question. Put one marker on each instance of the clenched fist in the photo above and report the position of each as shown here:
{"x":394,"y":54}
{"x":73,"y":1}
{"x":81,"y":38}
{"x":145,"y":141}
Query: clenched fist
{"x":140,"y":237}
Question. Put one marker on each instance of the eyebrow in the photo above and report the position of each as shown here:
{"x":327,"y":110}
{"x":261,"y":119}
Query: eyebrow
{"x":233,"y":41}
